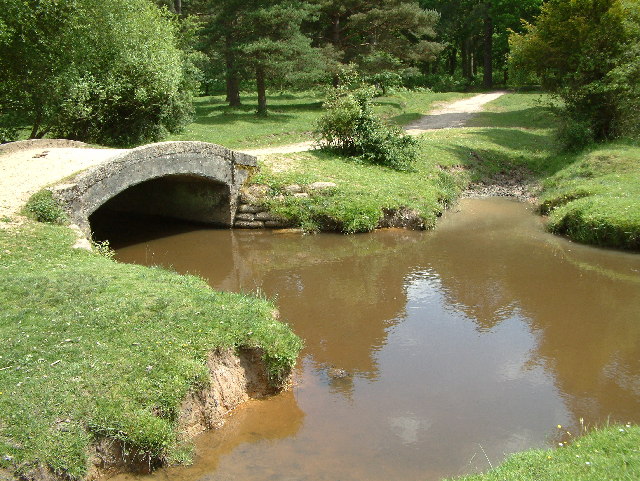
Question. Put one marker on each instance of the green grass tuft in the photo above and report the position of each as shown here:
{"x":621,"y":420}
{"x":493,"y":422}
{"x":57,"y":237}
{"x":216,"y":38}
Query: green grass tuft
{"x":595,"y":199}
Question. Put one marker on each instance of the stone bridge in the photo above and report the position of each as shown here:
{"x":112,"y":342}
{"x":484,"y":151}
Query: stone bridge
{"x":194,"y":181}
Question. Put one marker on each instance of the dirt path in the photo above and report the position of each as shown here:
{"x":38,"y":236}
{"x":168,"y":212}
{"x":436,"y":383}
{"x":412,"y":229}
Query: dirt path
{"x":451,"y":115}
{"x":26,"y":167}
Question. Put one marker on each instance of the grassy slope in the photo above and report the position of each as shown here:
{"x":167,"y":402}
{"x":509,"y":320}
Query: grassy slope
{"x":291,"y":117}
{"x":95,"y":347}
{"x":596,"y":198}
{"x":605,"y":454}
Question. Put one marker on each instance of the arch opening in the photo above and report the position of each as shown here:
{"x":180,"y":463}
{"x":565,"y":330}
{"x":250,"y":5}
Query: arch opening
{"x":186,"y":198}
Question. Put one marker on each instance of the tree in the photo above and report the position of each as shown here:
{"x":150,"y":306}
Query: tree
{"x":378,"y":35}
{"x":94,"y":71}
{"x":479,"y":29}
{"x":262,"y":38}
{"x":577,"y":48}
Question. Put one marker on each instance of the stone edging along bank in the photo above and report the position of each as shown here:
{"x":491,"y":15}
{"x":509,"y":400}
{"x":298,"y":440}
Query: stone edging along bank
{"x":252,"y":214}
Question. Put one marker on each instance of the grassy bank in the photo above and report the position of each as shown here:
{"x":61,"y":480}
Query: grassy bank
{"x":291,"y":118}
{"x":595,"y":199}
{"x":92,"y":347}
{"x":612,"y":454}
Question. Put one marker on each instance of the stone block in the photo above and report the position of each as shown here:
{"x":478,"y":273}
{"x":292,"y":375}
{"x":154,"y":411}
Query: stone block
{"x":249,"y":209}
{"x":249,"y":224}
{"x":245,"y":217}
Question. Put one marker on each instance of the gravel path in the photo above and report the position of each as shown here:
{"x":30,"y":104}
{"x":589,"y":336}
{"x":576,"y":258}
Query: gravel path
{"x":28,"y":166}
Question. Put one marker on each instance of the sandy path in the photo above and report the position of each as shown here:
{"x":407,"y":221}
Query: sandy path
{"x":24,"y":172}
{"x":451,"y":115}
{"x":26,"y":167}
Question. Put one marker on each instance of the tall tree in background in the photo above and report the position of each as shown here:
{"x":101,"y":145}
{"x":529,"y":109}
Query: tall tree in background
{"x":264,"y":39}
{"x":377,"y":34}
{"x":587,"y":52}
{"x":479,"y":29}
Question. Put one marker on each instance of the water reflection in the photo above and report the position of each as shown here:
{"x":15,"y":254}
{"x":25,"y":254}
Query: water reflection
{"x":427,"y":354}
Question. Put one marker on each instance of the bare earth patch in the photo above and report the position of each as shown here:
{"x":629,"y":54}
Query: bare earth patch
{"x":26,"y":167}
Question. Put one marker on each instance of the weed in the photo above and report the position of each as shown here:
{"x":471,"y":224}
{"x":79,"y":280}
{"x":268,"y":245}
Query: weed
{"x":44,"y":208}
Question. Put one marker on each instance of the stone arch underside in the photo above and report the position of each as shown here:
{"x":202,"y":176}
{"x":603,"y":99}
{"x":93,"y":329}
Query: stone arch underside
{"x":193,"y":181}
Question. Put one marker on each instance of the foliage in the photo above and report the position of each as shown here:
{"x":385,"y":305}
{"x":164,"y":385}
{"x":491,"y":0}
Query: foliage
{"x":387,"y":35}
{"x":89,"y":70}
{"x":44,"y":208}
{"x":92,"y":347}
{"x":350,"y":127}
{"x":583,"y":51}
{"x":263,"y":40}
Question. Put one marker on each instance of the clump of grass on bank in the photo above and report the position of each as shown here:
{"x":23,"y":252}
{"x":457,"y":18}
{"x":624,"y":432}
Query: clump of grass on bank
{"x":91,"y":347}
{"x":596,"y":198}
{"x":292,"y":117}
{"x":612,"y":453}
{"x":363,"y":191}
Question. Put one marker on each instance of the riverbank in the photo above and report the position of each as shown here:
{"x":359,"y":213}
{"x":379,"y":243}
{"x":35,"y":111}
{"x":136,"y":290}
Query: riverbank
{"x":97,"y":353}
{"x":609,"y":453}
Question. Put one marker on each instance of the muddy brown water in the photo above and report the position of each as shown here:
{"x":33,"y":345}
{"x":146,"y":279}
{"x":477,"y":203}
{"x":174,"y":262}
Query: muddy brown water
{"x":456,"y":346}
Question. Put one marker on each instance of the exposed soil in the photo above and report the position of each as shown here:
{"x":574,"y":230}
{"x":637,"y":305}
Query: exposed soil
{"x":30,"y":165}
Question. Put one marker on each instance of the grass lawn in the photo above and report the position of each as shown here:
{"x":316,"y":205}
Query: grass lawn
{"x":91,"y":347}
{"x":611,"y":454}
{"x":596,"y":198}
{"x":291,"y":118}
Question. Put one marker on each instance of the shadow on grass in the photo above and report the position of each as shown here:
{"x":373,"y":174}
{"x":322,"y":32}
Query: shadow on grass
{"x":404,"y":119}
{"x":531,"y":118}
{"x":223,"y":114}
{"x":534,"y":151}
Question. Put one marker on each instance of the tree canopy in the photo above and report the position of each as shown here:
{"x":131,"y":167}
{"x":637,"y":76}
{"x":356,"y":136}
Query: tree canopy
{"x":587,"y":52}
{"x":107,"y":72}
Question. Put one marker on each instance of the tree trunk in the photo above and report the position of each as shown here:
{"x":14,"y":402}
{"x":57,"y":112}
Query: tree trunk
{"x":487,"y":79}
{"x":467,"y":60}
{"x":453,"y":58}
{"x":262,"y":91}
{"x":177,"y":5}
{"x":336,"y":40}
{"x":232,"y":78}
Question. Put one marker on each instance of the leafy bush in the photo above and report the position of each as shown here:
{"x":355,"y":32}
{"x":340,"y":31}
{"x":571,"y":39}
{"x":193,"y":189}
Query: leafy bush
{"x":350,"y":127}
{"x":587,"y":54}
{"x":44,"y":208}
{"x":573,"y":134}
{"x":105,"y":72}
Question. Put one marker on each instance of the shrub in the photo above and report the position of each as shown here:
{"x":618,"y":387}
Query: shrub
{"x":350,"y":127}
{"x":573,"y":134}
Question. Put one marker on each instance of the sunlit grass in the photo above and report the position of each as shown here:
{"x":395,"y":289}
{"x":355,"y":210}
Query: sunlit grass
{"x":291,"y":119}
{"x":611,"y":454}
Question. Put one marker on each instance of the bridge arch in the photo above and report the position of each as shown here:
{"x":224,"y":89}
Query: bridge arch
{"x":194,"y":181}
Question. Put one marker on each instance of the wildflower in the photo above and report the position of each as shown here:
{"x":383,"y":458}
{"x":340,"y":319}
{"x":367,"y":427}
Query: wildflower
{"x":559,"y":426}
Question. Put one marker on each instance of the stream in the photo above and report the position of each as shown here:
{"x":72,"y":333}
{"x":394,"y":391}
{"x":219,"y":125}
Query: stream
{"x":427,"y":354}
